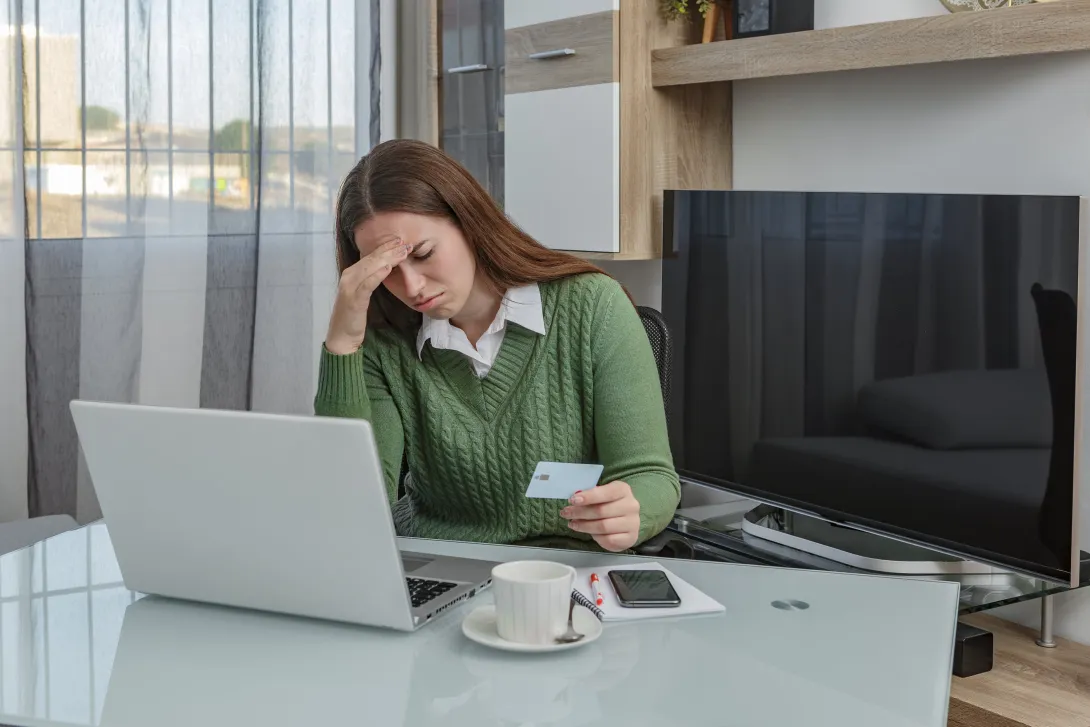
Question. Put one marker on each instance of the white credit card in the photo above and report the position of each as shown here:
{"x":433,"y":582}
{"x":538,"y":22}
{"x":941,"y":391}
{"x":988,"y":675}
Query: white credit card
{"x":561,"y":480}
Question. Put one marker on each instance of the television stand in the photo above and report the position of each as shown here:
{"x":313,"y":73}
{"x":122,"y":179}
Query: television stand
{"x":857,"y":548}
{"x":724,"y":538}
{"x":1046,"y":639}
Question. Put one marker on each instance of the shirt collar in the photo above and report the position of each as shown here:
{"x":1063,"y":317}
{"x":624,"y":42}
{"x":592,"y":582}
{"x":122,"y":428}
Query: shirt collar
{"x":523,"y":306}
{"x":520,"y":305}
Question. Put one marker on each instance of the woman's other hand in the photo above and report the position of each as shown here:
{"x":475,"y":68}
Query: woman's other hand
{"x":348,"y":322}
{"x":608,"y":513}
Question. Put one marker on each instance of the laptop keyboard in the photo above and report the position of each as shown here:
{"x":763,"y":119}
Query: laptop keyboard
{"x":422,"y":590}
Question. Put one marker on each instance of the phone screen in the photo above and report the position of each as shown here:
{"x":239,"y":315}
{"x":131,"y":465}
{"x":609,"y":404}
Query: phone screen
{"x":643,"y":588}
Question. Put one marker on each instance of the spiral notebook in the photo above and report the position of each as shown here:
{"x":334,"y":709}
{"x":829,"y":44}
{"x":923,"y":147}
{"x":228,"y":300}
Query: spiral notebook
{"x":693,"y":600}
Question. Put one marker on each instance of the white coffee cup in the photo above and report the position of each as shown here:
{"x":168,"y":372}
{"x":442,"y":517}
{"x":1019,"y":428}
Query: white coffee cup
{"x":532,"y":599}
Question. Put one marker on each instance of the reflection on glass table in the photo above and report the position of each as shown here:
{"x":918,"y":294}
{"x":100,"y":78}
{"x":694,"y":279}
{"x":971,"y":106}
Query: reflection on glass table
{"x":77,"y":648}
{"x":62,"y":603}
{"x":721,"y":534}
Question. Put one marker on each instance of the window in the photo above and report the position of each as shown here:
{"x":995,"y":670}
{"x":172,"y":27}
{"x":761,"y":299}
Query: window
{"x":200,"y":101}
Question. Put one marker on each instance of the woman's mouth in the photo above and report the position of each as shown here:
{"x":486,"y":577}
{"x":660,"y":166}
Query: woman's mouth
{"x":427,"y":303}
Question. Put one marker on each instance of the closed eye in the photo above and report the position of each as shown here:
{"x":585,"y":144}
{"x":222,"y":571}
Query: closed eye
{"x":424,"y":255}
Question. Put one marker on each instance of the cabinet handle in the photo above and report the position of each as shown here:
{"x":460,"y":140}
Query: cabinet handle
{"x":547,"y":54}
{"x":475,"y":68}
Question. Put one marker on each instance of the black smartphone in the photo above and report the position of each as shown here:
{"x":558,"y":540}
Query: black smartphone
{"x":643,"y":589}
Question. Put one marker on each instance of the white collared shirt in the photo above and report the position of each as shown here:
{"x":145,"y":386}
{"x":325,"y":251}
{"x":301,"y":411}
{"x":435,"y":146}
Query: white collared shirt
{"x":520,"y":305}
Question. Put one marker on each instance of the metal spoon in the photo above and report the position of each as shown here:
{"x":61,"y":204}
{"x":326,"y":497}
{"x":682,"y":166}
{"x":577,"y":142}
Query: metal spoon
{"x":571,"y":635}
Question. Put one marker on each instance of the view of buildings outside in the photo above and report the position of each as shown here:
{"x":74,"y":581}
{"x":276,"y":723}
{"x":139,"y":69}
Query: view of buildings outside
{"x":193,"y":138}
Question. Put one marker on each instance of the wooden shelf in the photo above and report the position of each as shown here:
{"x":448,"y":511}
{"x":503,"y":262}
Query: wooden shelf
{"x":1053,"y":27}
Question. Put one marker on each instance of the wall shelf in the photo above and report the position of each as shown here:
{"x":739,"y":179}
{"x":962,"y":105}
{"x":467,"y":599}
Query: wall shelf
{"x":1053,"y":27}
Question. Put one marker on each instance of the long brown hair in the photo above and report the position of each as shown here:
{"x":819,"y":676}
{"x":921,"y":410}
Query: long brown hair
{"x":404,"y":175}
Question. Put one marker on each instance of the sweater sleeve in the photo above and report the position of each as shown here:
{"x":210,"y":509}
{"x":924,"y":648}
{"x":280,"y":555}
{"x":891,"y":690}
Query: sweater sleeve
{"x":353,"y":386}
{"x":629,"y":416}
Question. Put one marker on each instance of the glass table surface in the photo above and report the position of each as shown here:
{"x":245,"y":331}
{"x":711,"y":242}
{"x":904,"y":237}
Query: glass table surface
{"x":78,"y":648}
{"x":723,"y":539}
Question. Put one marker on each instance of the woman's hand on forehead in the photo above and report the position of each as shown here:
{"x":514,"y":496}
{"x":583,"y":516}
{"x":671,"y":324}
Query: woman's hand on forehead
{"x":374,"y":243}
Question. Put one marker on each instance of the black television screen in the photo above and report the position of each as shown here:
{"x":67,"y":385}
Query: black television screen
{"x":904,"y":362}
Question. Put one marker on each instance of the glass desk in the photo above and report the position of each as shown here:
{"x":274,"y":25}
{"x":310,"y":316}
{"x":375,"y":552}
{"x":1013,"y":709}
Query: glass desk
{"x":78,"y":648}
{"x":723,"y":539}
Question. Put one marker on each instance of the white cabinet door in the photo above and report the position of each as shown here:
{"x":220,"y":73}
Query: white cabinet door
{"x":561,"y":174}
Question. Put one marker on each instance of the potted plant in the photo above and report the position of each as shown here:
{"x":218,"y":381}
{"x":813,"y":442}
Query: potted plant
{"x":710,"y":10}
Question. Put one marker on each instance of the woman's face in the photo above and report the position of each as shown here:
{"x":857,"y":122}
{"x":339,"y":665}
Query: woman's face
{"x":437,"y":278}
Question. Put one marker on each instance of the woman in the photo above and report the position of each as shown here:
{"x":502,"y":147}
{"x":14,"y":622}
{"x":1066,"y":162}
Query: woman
{"x":434,"y":278}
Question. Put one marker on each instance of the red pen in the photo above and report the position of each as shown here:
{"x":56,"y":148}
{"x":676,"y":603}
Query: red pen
{"x":596,"y":589}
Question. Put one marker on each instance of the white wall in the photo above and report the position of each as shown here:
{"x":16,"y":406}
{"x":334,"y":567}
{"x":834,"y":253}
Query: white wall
{"x":1019,"y":126}
{"x":642,"y":278}
{"x":838,"y":13}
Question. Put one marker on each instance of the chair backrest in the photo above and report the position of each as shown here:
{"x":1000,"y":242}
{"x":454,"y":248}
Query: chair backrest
{"x":1057,"y":321}
{"x":658,"y":333}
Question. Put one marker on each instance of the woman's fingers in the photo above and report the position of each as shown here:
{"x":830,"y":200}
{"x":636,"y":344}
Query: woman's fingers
{"x":372,"y":281}
{"x":608,"y":526}
{"x":601,"y":494}
{"x":609,"y":513}
{"x":613,"y":508}
{"x":382,"y":260}
{"x":348,"y":321}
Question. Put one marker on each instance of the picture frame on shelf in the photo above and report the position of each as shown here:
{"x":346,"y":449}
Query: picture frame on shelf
{"x":752,"y":18}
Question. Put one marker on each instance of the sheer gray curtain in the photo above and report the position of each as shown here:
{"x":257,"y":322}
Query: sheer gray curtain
{"x":167,"y":170}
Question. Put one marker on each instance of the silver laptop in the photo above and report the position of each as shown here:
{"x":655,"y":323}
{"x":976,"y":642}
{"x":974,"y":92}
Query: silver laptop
{"x":278,"y":513}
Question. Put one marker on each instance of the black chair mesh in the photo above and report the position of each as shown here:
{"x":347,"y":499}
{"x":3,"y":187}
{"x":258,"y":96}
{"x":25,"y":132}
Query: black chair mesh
{"x":661,"y":346}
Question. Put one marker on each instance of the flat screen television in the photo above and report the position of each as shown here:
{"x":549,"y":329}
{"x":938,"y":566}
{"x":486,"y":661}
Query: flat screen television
{"x":907,"y":363}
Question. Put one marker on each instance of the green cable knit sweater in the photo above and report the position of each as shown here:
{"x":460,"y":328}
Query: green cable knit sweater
{"x":587,"y":391}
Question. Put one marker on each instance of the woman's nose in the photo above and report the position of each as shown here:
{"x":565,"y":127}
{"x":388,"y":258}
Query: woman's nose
{"x":414,"y":281}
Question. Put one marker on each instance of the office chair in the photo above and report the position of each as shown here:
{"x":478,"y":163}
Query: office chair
{"x":665,"y":544}
{"x":662,"y":346}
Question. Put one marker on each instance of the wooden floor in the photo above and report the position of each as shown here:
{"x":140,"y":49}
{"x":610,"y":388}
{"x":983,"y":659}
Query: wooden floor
{"x":1037,"y":687}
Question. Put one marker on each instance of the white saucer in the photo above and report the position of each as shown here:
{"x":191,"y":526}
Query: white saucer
{"x":480,"y":626}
